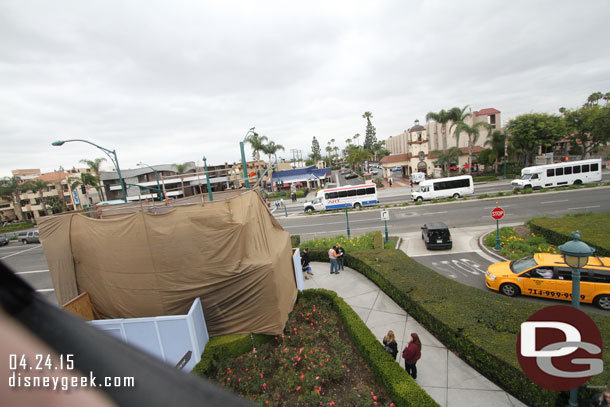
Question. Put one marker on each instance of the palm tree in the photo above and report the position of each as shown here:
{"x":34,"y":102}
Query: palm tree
{"x":95,"y":167}
{"x":445,"y":158}
{"x":472,"y":132}
{"x":457,"y":115}
{"x":272,"y":149}
{"x":356,"y":137}
{"x":11,"y":189}
{"x":181,"y":169}
{"x":258,"y":144}
{"x":594,"y":98}
{"x":443,"y":118}
{"x":85,"y":179}
{"x":39,"y":186}
{"x":357,"y":156}
{"x":328,"y":150}
{"x":348,"y":141}
{"x":495,"y":140}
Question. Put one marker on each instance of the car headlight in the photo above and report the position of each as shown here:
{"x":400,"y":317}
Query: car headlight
{"x":491,"y":276}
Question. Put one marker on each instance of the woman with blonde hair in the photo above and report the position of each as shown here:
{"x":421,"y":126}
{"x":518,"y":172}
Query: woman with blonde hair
{"x":390,"y":345}
{"x":411,"y":355}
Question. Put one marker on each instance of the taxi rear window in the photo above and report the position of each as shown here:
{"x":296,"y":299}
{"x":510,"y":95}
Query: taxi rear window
{"x":519,"y":266}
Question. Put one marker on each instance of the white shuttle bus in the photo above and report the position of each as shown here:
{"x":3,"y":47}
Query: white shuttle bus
{"x":351,"y":196}
{"x":452,"y":187}
{"x":560,"y":174}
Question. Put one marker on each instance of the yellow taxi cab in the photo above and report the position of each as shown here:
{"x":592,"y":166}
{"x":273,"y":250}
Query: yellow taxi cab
{"x":547,"y":275}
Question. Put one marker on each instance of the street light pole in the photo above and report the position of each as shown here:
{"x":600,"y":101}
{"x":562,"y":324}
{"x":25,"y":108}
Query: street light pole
{"x":576,"y":255}
{"x":157,"y":177}
{"x":505,"y":153}
{"x":347,"y":222}
{"x":115,"y":161}
{"x":207,"y":178}
{"x":243,"y":157}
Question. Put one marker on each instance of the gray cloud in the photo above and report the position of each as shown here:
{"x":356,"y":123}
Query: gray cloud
{"x":169,"y":82}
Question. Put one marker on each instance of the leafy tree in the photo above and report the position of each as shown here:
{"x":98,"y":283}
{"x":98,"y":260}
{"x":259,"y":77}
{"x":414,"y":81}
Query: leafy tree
{"x":472,"y":132}
{"x":56,"y":204}
{"x":315,"y":149}
{"x":357,"y":156}
{"x":39,"y":186}
{"x":495,"y":140}
{"x":588,"y":126}
{"x":181,"y":169}
{"x":258,"y":144}
{"x":488,"y":157}
{"x":94,"y":165}
{"x":446,"y":157}
{"x":86,"y":179}
{"x":528,"y":132}
{"x":11,"y":189}
{"x":370,"y":137}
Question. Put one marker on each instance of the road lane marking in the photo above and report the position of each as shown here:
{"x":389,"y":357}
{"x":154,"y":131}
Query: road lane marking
{"x":45,"y":290}
{"x":328,"y":223}
{"x":33,"y":271}
{"x":562,"y":200}
{"x":584,"y":207}
{"x":23,"y":251}
{"x":342,"y":231}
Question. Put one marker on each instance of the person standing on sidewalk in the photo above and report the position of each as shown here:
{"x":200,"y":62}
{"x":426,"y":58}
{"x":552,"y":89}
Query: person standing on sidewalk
{"x":390,"y":345}
{"x":411,"y":355}
{"x":305,"y":264}
{"x":332,"y":256}
{"x":340,"y":256}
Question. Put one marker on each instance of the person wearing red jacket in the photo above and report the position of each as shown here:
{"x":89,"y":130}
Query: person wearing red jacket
{"x":411,"y":355}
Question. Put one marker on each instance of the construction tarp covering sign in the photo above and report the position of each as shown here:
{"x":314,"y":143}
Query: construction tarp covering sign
{"x":232,"y":254}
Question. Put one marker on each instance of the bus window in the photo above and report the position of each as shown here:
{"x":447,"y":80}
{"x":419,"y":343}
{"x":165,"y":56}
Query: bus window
{"x":576,"y":169}
{"x":333,"y":195}
{"x":342,"y":194}
{"x":352,"y":192}
{"x":370,"y":191}
{"x":362,"y":191}
{"x":550,"y":172}
{"x":593,"y":167}
{"x":585,"y":168}
{"x":567,"y":170}
{"x":327,"y":196}
{"x":558,"y":171}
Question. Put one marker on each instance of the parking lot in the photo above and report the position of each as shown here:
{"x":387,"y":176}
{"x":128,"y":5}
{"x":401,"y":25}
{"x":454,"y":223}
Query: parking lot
{"x":29,"y":263}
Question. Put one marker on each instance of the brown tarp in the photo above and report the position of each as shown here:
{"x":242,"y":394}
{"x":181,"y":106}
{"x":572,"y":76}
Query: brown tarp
{"x":232,"y":254}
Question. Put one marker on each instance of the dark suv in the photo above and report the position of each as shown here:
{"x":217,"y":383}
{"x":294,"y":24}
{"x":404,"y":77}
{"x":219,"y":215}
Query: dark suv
{"x":436,"y":236}
{"x":3,"y":240}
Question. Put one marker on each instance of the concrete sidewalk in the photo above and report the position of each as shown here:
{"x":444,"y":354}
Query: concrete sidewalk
{"x":446,"y":378}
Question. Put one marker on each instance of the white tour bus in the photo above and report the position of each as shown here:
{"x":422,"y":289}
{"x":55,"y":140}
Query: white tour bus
{"x":560,"y":174}
{"x":444,"y":188}
{"x":351,"y":196}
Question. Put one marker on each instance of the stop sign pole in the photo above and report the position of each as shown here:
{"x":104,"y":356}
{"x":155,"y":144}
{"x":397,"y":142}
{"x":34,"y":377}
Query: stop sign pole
{"x":497,"y":213}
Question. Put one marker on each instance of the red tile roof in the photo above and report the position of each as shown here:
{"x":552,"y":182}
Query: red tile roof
{"x":394,"y":158}
{"x":54,"y":176}
{"x":486,"y":112}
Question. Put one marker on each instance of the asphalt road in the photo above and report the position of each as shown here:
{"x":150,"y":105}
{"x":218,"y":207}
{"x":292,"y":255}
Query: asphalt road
{"x":475,"y":212}
{"x":29,"y":263}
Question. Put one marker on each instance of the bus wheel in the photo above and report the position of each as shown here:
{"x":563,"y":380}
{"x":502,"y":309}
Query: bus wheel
{"x":509,"y":290}
{"x":418,"y":199}
{"x":527,"y":187}
{"x":309,"y":210}
{"x":603,"y":301}
{"x":578,"y":182}
{"x":356,"y":205}
{"x":456,"y":196}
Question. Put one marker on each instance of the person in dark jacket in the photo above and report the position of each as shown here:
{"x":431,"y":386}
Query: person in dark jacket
{"x":340,"y":256}
{"x":601,"y":399}
{"x":411,"y":355}
{"x":390,"y":345}
{"x":305,"y":264}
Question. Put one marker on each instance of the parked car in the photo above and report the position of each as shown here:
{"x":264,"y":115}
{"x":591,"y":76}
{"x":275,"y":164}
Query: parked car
{"x":351,"y":175}
{"x":29,"y":237}
{"x":436,"y":235}
{"x":3,"y":240}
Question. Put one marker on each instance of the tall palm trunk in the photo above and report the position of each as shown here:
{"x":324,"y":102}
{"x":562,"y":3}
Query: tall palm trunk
{"x":444,"y":136}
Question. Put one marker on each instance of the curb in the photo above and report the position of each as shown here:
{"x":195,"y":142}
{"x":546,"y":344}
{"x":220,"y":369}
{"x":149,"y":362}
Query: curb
{"x":485,"y":250}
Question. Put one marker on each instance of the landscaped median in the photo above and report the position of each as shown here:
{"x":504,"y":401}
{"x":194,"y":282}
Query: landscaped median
{"x":312,"y":365}
{"x":480,"y":326}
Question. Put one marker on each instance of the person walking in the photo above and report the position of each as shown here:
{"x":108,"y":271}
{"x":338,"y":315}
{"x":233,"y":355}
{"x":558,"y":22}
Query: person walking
{"x":305,"y":264}
{"x":390,"y":345}
{"x":332,"y":256}
{"x":411,"y":355}
{"x":601,"y":399}
{"x":390,"y":182}
{"x":340,"y":256}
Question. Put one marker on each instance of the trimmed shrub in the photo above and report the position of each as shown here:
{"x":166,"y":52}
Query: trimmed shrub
{"x":593,"y":230}
{"x":483,"y":178}
{"x":377,"y":240}
{"x":295,"y":240}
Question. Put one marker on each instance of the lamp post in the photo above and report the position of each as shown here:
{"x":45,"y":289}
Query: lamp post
{"x":157,"y":177}
{"x":505,"y":153}
{"x":243,"y":157}
{"x":207,"y":178}
{"x":347,"y":222}
{"x":576,"y":255}
{"x":108,"y":152}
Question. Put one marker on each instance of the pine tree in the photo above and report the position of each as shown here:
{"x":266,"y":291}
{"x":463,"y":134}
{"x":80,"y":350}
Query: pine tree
{"x":315,"y":149}
{"x":370,"y":138}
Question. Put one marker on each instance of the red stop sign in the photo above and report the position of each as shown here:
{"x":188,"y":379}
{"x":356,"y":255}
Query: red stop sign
{"x":497,"y":213}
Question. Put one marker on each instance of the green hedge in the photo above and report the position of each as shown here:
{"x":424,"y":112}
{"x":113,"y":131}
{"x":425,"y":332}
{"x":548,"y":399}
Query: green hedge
{"x":226,"y":347}
{"x":295,"y":240}
{"x":481,"y":326}
{"x":401,"y":388}
{"x":483,"y":178}
{"x":593,"y":230}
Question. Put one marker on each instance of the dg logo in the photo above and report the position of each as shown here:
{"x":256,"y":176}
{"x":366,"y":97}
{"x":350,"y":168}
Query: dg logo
{"x":560,"y":348}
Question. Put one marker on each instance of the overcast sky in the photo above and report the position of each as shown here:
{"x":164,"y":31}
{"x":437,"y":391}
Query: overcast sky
{"x":169,"y":82}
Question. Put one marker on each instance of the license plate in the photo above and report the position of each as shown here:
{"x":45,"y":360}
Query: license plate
{"x":439,"y":241}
